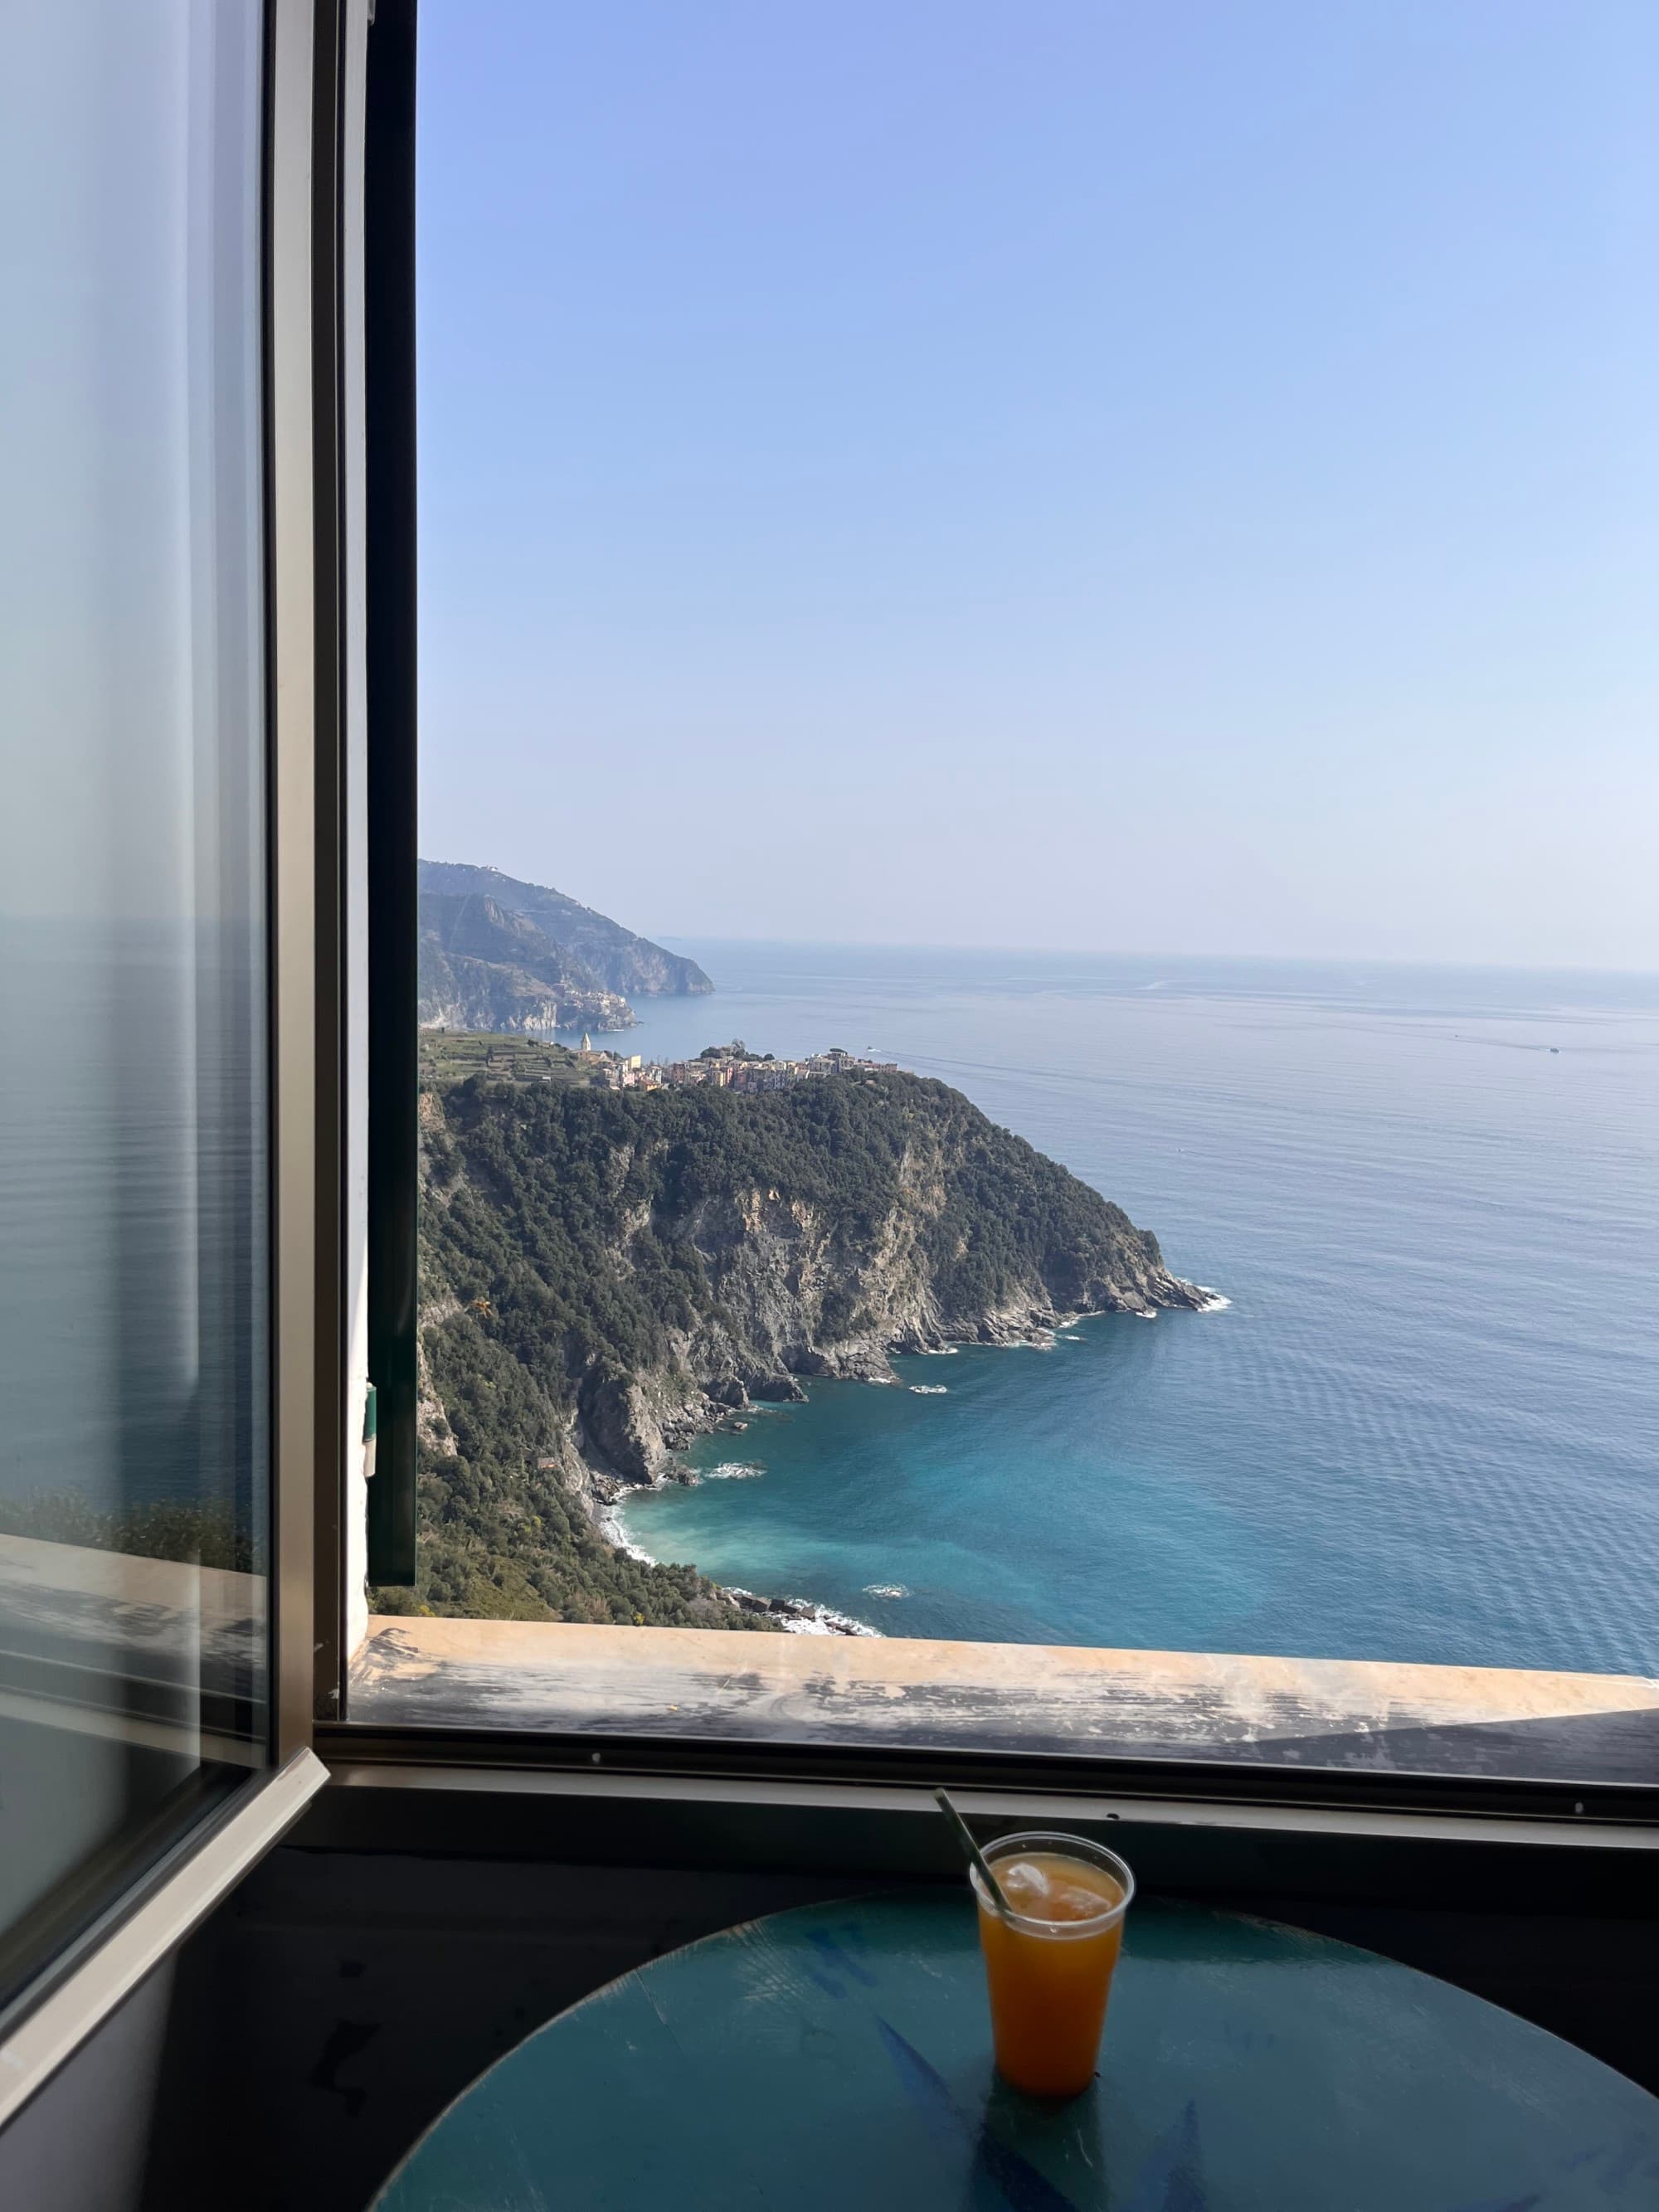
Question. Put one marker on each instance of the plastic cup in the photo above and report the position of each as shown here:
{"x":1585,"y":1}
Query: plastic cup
{"x":1049,"y":1968}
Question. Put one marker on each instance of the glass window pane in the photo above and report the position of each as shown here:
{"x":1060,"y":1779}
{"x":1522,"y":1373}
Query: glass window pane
{"x":133,"y":1172}
{"x":1101,"y":561}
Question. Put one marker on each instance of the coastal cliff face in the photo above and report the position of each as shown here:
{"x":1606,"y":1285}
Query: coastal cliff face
{"x":613,"y":958}
{"x":625,"y":1269}
{"x":483,"y":967}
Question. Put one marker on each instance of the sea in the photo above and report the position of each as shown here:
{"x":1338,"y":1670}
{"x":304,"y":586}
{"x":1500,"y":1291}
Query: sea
{"x":1423,"y":1426}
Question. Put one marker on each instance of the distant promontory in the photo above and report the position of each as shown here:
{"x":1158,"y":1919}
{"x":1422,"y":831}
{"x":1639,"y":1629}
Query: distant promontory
{"x":512,"y":957}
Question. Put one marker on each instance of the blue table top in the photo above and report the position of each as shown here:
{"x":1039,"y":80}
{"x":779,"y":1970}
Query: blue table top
{"x":840,"y":2057}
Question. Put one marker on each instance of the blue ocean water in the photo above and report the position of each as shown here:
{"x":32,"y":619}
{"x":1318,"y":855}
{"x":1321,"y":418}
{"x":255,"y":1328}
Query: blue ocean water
{"x":1426,"y":1427}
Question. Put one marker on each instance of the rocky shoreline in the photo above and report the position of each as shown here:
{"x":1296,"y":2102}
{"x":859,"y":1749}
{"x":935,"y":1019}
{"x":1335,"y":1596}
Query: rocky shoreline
{"x":609,"y":1275}
{"x":629,"y":1429}
{"x":603,"y":1491}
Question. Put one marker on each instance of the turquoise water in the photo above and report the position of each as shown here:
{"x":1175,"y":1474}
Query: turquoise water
{"x":1426,"y":1428}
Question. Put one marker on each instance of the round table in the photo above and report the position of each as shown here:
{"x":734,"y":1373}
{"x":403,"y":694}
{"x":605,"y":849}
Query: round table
{"x":838,"y":2057}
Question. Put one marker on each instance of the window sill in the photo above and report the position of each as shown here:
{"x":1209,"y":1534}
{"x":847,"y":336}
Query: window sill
{"x":902,"y":1694}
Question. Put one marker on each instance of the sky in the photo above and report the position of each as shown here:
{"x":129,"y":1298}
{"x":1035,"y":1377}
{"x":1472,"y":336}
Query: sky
{"x":1159,"y":478}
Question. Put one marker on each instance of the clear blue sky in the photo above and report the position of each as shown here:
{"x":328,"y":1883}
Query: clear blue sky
{"x":1172,"y":478}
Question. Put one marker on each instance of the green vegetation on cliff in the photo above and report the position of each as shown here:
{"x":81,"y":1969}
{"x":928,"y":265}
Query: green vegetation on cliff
{"x":605,"y":1272}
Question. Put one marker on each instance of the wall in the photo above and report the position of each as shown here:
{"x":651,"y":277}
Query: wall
{"x":340,"y":2001}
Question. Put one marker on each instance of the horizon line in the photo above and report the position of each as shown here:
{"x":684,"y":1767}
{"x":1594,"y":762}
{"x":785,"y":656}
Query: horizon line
{"x":669,"y":939}
{"x":1464,"y":965}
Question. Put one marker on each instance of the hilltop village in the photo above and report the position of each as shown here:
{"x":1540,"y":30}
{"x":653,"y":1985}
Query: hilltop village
{"x":720,"y":1067}
{"x":451,"y":1055}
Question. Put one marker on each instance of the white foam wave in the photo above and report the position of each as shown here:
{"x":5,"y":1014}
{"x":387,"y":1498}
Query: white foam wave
{"x":611,"y":1529}
{"x":729,"y":1470}
{"x":824,"y":1621}
{"x":807,"y":1618}
{"x":1215,"y":1301}
{"x":940,"y":1352}
{"x":927,"y":1390}
{"x":1144,"y":1314}
{"x":885,"y":1590}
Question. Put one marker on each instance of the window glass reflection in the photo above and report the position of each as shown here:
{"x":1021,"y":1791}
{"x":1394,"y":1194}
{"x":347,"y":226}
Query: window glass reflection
{"x":132,"y":962}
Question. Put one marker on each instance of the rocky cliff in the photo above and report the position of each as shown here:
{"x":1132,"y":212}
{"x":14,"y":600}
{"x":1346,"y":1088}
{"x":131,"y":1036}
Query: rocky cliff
{"x":606,"y":1274}
{"x":613,"y":957}
{"x":484,"y":968}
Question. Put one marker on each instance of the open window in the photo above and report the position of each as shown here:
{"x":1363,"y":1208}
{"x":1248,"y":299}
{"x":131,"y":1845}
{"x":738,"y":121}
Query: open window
{"x":1155,"y":524}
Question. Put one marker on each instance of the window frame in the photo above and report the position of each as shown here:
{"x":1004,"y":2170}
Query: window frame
{"x":1344,"y":1800}
{"x":151,"y":1890}
{"x":390,"y":646}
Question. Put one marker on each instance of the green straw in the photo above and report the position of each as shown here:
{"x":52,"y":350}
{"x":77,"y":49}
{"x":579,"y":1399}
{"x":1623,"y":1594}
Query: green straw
{"x":976,"y":1858}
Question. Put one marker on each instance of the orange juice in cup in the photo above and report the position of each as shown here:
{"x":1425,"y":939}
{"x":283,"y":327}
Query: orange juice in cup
{"x":1049,"y":1962}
